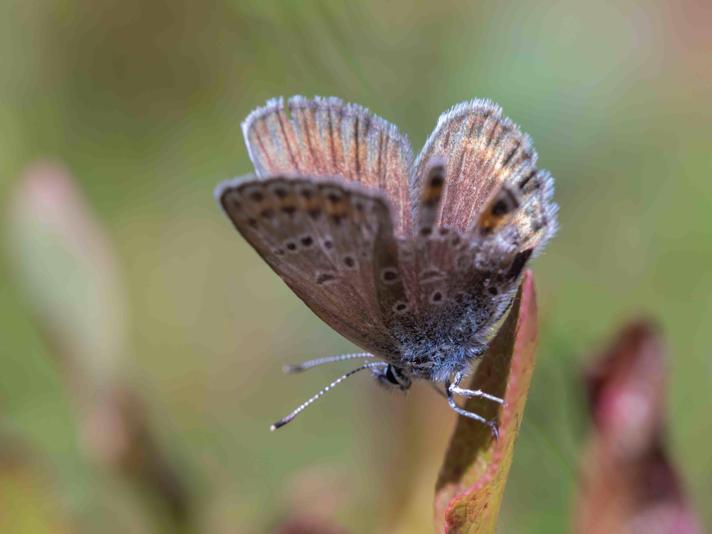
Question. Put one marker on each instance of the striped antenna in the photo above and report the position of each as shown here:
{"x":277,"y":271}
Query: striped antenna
{"x":299,"y":409}
{"x":309,"y":364}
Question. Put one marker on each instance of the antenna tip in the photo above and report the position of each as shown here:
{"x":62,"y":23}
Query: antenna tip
{"x":289,"y":369}
{"x":278,"y":424}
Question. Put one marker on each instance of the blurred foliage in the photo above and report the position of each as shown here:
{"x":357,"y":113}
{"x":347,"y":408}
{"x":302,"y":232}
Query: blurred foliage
{"x":143,"y":102}
{"x":629,"y":485}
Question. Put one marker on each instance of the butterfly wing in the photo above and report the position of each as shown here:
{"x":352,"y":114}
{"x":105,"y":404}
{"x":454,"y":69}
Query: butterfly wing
{"x":481,"y":210}
{"x":330,"y":240}
{"x":325,"y":137}
{"x":481,"y":149}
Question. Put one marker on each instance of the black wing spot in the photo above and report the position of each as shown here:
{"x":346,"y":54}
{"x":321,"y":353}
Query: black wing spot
{"x":400,"y":307}
{"x":389,"y":275}
{"x":437,"y":180}
{"x":500,"y":208}
{"x":328,"y":244}
{"x":349,"y":261}
{"x":307,"y":241}
{"x":436,"y":297}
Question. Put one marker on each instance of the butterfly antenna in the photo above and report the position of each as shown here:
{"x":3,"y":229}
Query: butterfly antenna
{"x":301,"y":407}
{"x":299,"y":367}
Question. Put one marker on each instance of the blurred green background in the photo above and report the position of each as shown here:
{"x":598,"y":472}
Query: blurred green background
{"x":142,"y":102}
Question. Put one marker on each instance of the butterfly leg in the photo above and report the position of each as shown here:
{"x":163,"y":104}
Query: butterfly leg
{"x":455,"y":389}
{"x":492,"y":424}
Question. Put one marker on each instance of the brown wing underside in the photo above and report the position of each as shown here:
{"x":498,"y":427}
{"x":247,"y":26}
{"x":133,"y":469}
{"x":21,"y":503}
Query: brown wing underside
{"x":330,"y":242}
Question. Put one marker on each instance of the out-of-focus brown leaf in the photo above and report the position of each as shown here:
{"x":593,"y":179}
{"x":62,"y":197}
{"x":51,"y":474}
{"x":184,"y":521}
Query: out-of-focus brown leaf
{"x":628,"y":482}
{"x":66,"y":263}
{"x":472,"y":479}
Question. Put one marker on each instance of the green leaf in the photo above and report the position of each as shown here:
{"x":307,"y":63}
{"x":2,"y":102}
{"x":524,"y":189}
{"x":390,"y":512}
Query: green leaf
{"x":473,"y":476}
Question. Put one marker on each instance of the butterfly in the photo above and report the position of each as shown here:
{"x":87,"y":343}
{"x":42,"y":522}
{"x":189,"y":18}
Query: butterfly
{"x":415,"y":260}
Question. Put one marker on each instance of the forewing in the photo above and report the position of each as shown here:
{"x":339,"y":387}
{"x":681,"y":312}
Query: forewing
{"x":325,"y":137}
{"x":328,"y":240}
{"x":480,"y":149}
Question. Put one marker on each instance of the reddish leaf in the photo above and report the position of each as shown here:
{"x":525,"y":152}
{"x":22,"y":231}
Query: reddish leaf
{"x":473,"y":476}
{"x":628,"y":483}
